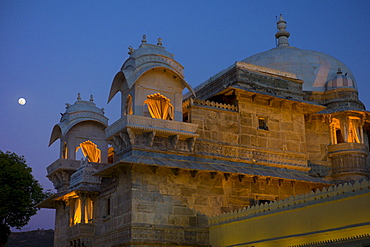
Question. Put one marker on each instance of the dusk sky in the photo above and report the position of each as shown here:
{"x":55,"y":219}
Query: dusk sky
{"x":52,"y":50}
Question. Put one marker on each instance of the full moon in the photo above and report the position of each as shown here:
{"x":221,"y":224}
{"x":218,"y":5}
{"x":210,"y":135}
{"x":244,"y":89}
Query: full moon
{"x":22,"y":101}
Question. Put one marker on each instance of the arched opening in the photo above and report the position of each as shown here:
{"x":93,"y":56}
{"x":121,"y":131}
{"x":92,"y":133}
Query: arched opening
{"x":159,"y":106}
{"x":89,"y":150}
{"x":81,"y":211}
{"x":339,"y":136}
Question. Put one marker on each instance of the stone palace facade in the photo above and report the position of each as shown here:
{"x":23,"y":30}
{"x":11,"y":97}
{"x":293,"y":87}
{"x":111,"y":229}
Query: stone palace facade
{"x":281,"y":123}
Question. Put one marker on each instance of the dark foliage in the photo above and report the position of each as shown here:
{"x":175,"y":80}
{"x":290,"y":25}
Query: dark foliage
{"x":19,"y":193}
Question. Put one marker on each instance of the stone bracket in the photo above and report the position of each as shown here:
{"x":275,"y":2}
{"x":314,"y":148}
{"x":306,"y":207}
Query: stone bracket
{"x":174,"y":140}
{"x":281,"y":182}
{"x":154,"y":169}
{"x":193,"y":173}
{"x":191,"y":143}
{"x":255,"y":179}
{"x":124,"y":136}
{"x":117,"y":143}
{"x":150,"y":138}
{"x":175,"y":171}
{"x":131,"y":135}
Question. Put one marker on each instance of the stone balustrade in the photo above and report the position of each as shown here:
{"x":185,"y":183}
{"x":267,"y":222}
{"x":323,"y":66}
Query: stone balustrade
{"x":151,"y":124}
{"x":329,"y":194}
{"x":207,"y":103}
{"x":65,"y":164}
{"x":69,"y":164}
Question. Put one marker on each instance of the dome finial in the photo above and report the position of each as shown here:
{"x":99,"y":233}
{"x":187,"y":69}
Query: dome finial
{"x":130,"y":50}
{"x":78,"y":96}
{"x":159,"y":42}
{"x":143,"y":41}
{"x":282,"y":35}
{"x":91,"y":98}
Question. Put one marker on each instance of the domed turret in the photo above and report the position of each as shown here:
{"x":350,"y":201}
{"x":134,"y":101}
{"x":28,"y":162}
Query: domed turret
{"x":149,"y":70}
{"x":314,"y":68}
{"x":82,"y":126}
{"x":340,"y":81}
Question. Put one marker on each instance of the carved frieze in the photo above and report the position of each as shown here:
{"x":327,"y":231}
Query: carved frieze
{"x":297,"y":160}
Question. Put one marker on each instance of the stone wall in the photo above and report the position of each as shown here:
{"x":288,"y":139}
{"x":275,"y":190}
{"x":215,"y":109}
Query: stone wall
{"x":61,"y":224}
{"x":286,"y":126}
{"x":113,"y":219}
{"x":318,"y":139}
{"x":156,"y":205}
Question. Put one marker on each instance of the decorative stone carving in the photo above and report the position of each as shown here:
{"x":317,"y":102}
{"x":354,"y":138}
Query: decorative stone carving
{"x":131,"y":135}
{"x":174,"y":140}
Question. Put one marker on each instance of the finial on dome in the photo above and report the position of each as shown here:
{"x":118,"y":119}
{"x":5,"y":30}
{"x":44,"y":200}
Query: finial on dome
{"x":282,"y":35}
{"x":91,"y":98}
{"x":339,"y":72}
{"x":159,"y":41}
{"x":130,"y":50}
{"x":78,"y":96}
{"x":143,"y":41}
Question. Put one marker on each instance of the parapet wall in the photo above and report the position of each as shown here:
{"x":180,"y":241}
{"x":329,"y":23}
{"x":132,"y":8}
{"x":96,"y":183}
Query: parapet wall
{"x":293,"y":202}
{"x":212,"y":104}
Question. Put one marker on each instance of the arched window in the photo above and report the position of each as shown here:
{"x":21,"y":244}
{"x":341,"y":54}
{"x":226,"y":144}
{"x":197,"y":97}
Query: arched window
{"x":90,"y":150}
{"x":159,"y":106}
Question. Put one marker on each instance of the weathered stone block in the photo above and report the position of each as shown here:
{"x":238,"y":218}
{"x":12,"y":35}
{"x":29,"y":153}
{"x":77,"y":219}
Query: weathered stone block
{"x":245,"y":140}
{"x":179,"y":220}
{"x":146,"y":207}
{"x":201,"y":200}
{"x":182,"y":210}
{"x":262,"y":142}
{"x":215,"y":201}
{"x":186,"y":191}
{"x":210,"y":190}
{"x":163,"y":208}
{"x":202,"y":220}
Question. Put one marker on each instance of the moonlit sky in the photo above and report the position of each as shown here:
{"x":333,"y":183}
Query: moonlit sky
{"x":52,"y":50}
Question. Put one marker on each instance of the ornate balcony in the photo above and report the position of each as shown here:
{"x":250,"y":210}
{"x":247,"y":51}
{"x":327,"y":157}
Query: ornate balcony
{"x":134,"y":131}
{"x":81,"y":234}
{"x":348,"y":161}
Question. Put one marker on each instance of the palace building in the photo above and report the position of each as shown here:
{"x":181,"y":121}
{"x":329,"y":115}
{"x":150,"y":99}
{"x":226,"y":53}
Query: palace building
{"x":271,"y":151}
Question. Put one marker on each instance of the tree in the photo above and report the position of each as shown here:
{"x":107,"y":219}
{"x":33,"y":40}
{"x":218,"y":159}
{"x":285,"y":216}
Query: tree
{"x":19,"y":193}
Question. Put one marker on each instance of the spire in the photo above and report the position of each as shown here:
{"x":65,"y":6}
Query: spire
{"x":282,"y":35}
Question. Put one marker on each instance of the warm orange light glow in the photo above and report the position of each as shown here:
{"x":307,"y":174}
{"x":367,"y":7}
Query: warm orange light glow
{"x":159,"y":106}
{"x":90,"y":150}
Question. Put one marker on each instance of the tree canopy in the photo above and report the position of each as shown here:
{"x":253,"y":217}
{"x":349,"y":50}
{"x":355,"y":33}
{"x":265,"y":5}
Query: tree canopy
{"x":19,"y":193}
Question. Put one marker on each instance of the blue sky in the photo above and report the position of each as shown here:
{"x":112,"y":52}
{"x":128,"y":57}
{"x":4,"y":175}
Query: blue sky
{"x":52,"y":50}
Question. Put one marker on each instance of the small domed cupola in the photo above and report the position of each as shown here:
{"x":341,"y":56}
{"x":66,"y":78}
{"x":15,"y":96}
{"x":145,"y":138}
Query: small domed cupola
{"x":340,"y":81}
{"x":150,"y":70}
{"x":82,"y":126}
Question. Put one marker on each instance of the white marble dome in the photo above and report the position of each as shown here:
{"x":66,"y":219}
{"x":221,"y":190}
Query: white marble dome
{"x":314,"y":68}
